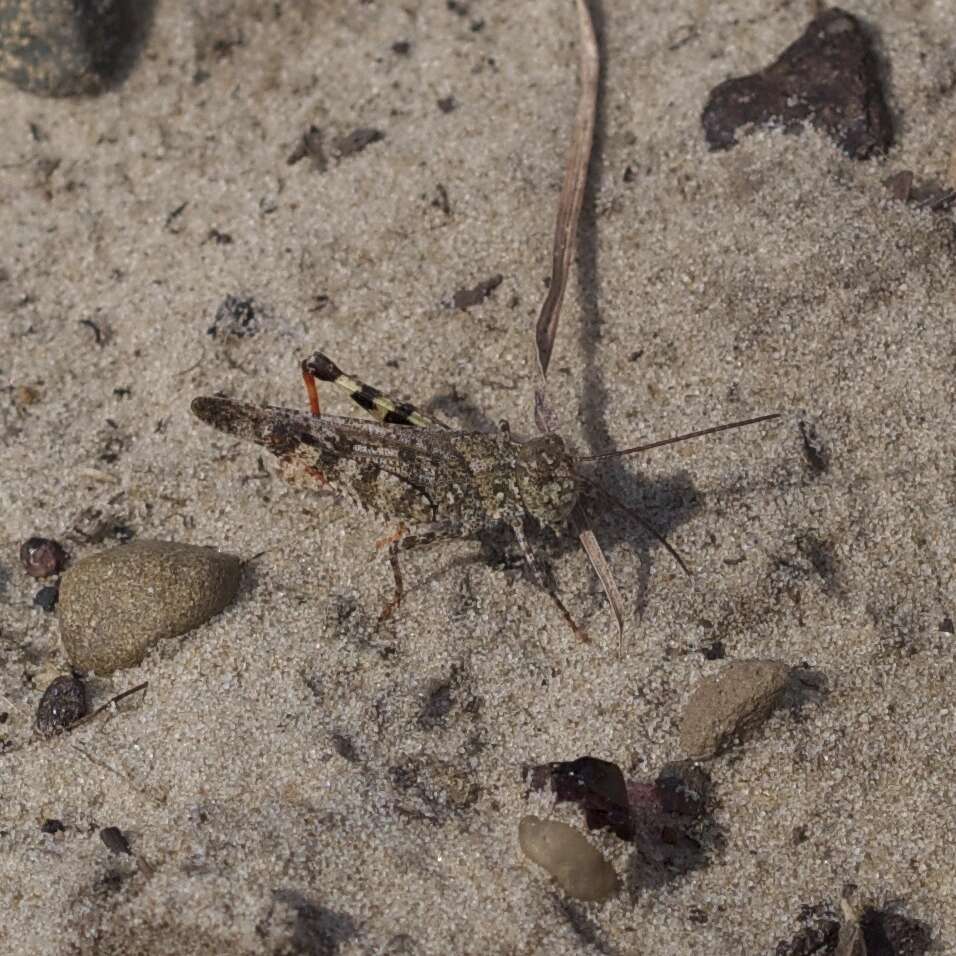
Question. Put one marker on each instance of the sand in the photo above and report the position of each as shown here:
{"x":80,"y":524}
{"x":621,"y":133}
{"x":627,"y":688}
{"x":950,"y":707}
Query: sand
{"x":282,"y":785}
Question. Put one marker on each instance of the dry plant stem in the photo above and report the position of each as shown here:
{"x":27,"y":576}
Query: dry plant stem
{"x":113,"y":700}
{"x":572,"y":195}
{"x":601,"y":568}
{"x":565,"y":231}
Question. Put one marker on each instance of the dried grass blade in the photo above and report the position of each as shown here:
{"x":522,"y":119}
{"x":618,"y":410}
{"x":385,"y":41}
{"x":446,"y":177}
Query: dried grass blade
{"x":601,"y":568}
{"x":572,"y":195}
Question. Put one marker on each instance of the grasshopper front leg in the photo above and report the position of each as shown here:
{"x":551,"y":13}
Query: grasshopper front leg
{"x":543,"y":584}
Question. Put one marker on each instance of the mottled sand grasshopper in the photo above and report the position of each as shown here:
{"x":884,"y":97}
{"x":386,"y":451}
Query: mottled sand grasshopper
{"x":437,"y":483}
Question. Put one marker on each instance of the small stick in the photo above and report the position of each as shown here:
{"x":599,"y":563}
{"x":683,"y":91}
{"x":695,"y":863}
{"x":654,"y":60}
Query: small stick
{"x":113,"y":700}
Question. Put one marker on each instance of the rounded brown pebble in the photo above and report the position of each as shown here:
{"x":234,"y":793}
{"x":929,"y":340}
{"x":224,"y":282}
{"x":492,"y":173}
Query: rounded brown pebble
{"x":578,"y":867}
{"x":117,"y":604}
{"x":42,"y":557}
{"x":731,"y":704}
{"x":63,"y":703}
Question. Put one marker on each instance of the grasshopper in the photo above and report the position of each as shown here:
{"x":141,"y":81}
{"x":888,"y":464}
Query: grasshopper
{"x":435,"y":482}
{"x":410,"y":467}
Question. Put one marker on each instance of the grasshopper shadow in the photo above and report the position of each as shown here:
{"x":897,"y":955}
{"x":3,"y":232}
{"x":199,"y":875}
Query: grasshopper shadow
{"x":664,"y":503}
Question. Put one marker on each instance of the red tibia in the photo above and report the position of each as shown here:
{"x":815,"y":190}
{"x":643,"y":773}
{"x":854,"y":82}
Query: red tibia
{"x":309,"y":380}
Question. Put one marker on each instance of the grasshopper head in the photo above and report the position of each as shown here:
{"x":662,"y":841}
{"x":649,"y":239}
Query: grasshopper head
{"x":546,"y":480}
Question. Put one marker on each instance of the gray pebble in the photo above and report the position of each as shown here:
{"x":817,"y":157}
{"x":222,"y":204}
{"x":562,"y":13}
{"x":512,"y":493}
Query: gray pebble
{"x":117,"y":604}
{"x":731,"y":704}
{"x":566,"y":854}
{"x":65,"y":48}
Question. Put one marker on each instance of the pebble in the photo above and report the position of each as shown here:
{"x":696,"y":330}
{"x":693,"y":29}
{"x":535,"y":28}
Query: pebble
{"x":65,"y":48}
{"x":115,"y":605}
{"x":829,"y":77}
{"x":115,"y":840}
{"x":46,"y":598}
{"x":578,"y":867}
{"x":42,"y":557}
{"x":597,"y":786}
{"x":731,"y":704}
{"x":62,"y":704}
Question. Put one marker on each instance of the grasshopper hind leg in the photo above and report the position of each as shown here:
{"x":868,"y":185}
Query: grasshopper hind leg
{"x":389,"y":411}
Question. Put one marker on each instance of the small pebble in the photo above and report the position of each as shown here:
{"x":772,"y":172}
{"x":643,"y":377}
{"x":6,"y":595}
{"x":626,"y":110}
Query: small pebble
{"x":52,"y":826}
{"x":42,"y":557}
{"x":466,"y":298}
{"x":62,"y":704}
{"x":829,"y":77}
{"x":115,"y":605}
{"x":566,"y":854}
{"x":46,"y":598}
{"x":731,"y":704}
{"x":115,"y":841}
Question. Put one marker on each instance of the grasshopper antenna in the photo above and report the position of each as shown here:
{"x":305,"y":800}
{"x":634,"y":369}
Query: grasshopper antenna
{"x":636,"y":516}
{"x":605,"y":456}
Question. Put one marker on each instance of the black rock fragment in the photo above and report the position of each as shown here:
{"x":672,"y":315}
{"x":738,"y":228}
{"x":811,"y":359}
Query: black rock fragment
{"x":465,"y":298}
{"x":46,"y":598}
{"x":829,"y":78}
{"x":597,"y":786}
{"x":114,"y":840}
{"x":63,"y":703}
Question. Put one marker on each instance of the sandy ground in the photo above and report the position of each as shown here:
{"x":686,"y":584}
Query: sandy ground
{"x":281,"y":784}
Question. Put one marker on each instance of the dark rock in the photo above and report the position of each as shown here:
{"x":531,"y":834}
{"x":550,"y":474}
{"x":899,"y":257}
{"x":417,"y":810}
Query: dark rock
{"x":42,"y":557}
{"x":114,"y":840}
{"x":67,"y":47}
{"x":597,"y":786}
{"x":465,"y":298}
{"x":62,"y":704}
{"x":829,"y":78}
{"x":52,"y":826}
{"x":46,"y":598}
